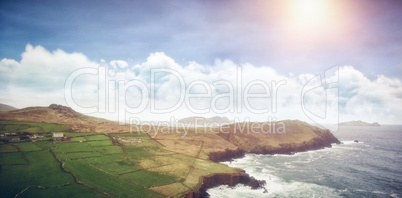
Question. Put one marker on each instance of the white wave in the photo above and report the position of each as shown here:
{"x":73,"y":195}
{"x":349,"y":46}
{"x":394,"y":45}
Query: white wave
{"x":379,"y":192}
{"x":360,"y":190}
{"x":394,"y":195}
{"x":267,"y":170}
{"x":237,"y":191}
{"x":275,"y":187}
{"x":351,"y":142}
{"x":289,"y":165}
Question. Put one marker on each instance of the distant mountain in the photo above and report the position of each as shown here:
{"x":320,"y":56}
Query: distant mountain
{"x":4,"y":107}
{"x":358,"y":123}
{"x":216,"y":120}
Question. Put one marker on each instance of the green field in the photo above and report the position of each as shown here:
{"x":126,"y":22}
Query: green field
{"x":72,"y":190}
{"x":31,"y":127}
{"x":96,"y":137}
{"x":5,"y":148}
{"x":94,"y":165}
{"x":117,"y":168}
{"x":101,"y":143}
{"x":44,"y":144}
{"x":109,"y":149}
{"x":38,"y":171}
{"x":33,"y":169}
{"x":148,"y":179}
{"x":27,"y":146}
{"x":12,"y":159}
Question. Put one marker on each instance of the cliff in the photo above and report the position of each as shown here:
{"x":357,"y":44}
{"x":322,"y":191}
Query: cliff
{"x":226,"y":155}
{"x":215,"y":180}
{"x":260,"y":138}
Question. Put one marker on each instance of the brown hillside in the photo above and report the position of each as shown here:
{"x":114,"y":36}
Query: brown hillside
{"x":284,"y":137}
{"x":219,"y":143}
{"x":64,"y":115}
{"x":225,"y":142}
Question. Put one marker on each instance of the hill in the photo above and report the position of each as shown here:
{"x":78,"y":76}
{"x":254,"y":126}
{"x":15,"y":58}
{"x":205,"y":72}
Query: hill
{"x":359,"y":123}
{"x":4,"y":107}
{"x":59,"y":114}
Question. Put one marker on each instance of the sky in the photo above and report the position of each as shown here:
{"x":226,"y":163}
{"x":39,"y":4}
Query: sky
{"x":136,"y":59}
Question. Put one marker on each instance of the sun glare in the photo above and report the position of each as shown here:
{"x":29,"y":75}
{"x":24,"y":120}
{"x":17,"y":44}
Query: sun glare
{"x":309,"y":12}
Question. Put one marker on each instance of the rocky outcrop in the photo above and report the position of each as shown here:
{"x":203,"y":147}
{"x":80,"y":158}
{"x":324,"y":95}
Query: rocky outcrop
{"x":226,"y":155}
{"x":66,"y":111}
{"x":319,"y":138}
{"x":215,"y":180}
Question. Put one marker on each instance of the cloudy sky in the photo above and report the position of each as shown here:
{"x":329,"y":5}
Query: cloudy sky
{"x":156,"y":59}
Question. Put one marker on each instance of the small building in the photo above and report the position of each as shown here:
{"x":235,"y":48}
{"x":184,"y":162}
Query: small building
{"x":58,"y":135}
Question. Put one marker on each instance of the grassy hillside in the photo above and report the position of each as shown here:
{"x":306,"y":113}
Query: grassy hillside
{"x":64,"y":115}
{"x":96,"y":165}
{"x":32,"y":171}
{"x":105,"y":160}
{"x":31,"y":127}
{"x":277,"y":137}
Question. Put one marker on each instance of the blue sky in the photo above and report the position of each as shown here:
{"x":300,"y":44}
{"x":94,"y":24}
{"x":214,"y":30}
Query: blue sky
{"x":365,"y":34}
{"x":286,"y":39}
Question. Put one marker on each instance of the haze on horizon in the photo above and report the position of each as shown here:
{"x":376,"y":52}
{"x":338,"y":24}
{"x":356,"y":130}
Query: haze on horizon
{"x":44,"y":43}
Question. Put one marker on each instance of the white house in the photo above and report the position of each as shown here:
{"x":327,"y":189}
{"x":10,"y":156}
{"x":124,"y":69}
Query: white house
{"x":58,"y":135}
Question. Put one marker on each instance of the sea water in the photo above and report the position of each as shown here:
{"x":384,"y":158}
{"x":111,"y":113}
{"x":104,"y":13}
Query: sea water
{"x":371,"y":167}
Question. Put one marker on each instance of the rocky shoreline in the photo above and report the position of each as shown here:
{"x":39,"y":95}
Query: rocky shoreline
{"x":233,"y":179}
{"x":240,"y":177}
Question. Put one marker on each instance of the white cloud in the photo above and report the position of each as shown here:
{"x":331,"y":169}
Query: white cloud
{"x":39,"y":79}
{"x":118,"y":64}
{"x":374,"y":100}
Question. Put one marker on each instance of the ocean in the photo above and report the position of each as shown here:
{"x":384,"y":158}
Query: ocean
{"x":370,"y":168}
